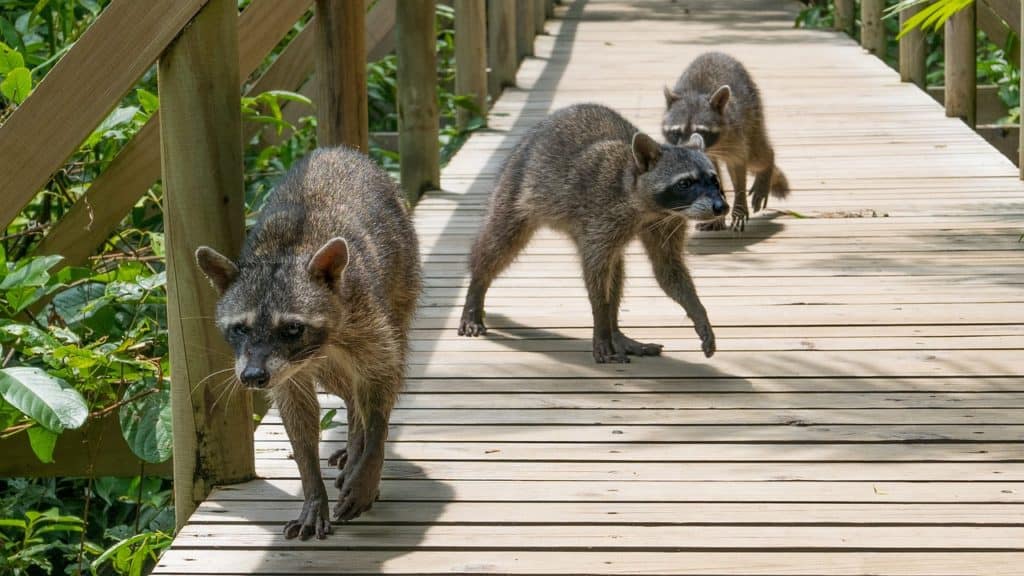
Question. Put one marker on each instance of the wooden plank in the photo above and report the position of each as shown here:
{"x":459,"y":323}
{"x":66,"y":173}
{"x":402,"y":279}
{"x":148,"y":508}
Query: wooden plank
{"x":203,"y":201}
{"x":340,"y":56}
{"x":47,"y":128}
{"x":522,"y":562}
{"x":960,"y":75}
{"x":660,"y":513}
{"x":471,"y":56}
{"x":418,"y":120}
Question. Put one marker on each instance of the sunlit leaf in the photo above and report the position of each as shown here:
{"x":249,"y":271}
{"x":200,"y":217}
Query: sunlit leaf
{"x":44,"y":398}
{"x":146,"y":422}
{"x":42,"y":442}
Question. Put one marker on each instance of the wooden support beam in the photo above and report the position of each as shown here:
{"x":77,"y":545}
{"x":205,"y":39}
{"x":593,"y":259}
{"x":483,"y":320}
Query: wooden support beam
{"x":471,"y":56}
{"x":549,"y":8}
{"x":961,"y":76}
{"x":844,"y":16}
{"x":418,"y":121}
{"x":872,"y":31}
{"x":524,"y":29}
{"x":539,"y":16}
{"x":501,"y":45}
{"x":913,"y":50}
{"x":1020,"y":149}
{"x":201,"y":149}
{"x":342,"y":108}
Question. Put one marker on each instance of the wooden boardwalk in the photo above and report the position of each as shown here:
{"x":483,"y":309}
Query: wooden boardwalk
{"x":864,"y":413}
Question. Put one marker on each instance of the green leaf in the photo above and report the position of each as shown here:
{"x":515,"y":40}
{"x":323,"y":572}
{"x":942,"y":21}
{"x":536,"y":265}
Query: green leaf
{"x":327,"y":420}
{"x":10,"y":59}
{"x":117,"y":117}
{"x":80,"y":302}
{"x":154,"y":281}
{"x":289,"y":96}
{"x":34,"y":272}
{"x":42,"y":441}
{"x":44,"y":398}
{"x":146,"y":422}
{"x":17,"y":85}
{"x":149,"y":101}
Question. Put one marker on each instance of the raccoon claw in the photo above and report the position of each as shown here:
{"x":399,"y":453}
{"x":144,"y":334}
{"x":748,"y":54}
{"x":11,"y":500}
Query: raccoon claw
{"x":472,"y":327}
{"x":739,"y":221}
{"x":604,"y":353}
{"x":353,"y":501}
{"x":313,"y":521}
{"x":712,"y":226}
{"x":338,"y":459}
{"x":707,"y":338}
{"x":759,"y":201}
{"x":623,"y":342}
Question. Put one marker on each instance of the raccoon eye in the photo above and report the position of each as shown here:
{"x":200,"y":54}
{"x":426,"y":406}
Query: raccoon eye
{"x":293,"y":330}
{"x":239,"y":329}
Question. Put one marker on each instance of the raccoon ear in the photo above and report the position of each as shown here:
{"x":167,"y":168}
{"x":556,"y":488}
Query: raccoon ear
{"x":330,"y":261}
{"x":646,"y":152}
{"x":696,"y":142}
{"x":720,"y":98}
{"x":218,"y":268}
{"x":670,"y":97}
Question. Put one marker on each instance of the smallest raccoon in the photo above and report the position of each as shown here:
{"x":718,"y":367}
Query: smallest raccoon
{"x":716,"y":98}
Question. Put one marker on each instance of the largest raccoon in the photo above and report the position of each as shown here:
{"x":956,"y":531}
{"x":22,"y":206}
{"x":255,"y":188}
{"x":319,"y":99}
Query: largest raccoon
{"x":716,"y":98}
{"x":588,"y":172}
{"x":323,"y":294}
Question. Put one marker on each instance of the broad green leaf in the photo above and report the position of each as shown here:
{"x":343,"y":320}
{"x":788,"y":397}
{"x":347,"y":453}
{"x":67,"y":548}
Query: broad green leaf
{"x":44,"y":398}
{"x":34,"y":272}
{"x":80,"y":302}
{"x":10,"y":59}
{"x":17,"y":85}
{"x":157,"y":243}
{"x":149,"y":101}
{"x":42,"y":441}
{"x":146,"y":422}
{"x":154,"y":281}
{"x":117,"y":117}
{"x":327,"y":420}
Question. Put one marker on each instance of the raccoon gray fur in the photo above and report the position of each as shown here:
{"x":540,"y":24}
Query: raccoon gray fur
{"x":716,"y":98}
{"x":588,"y":172}
{"x":324,"y":294}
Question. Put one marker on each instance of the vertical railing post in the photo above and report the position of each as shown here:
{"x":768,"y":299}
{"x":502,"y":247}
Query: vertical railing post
{"x":549,"y":8}
{"x":340,"y":55}
{"x":539,"y":16}
{"x":961,"y":74}
{"x":471,"y":56}
{"x":912,"y":50}
{"x":844,"y":16}
{"x":872,"y":31}
{"x":201,"y":152}
{"x":1020,"y":134}
{"x":418,"y":122}
{"x":524,"y":29}
{"x":501,"y":45}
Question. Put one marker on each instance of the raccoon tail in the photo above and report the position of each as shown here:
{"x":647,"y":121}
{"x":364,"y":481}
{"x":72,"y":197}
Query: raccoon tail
{"x":780,"y":186}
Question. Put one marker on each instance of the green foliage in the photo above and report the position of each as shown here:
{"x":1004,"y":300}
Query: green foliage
{"x":815,"y":16}
{"x":932,"y":16}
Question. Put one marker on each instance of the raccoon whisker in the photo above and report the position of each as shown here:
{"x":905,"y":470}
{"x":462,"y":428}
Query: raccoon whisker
{"x":211,"y":375}
{"x":227,"y":385}
{"x":682,"y":222}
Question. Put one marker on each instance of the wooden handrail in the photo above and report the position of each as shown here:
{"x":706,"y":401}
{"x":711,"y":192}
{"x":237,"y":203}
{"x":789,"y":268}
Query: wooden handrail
{"x":50,"y":125}
{"x":97,"y":213}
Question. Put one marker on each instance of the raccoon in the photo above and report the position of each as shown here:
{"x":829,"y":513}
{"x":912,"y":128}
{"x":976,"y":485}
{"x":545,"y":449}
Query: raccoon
{"x":324,"y":294}
{"x":716,"y":98}
{"x":586,"y":171}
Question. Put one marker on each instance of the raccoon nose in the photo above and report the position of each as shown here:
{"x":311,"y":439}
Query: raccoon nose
{"x":719,"y":206}
{"x":255,"y":377}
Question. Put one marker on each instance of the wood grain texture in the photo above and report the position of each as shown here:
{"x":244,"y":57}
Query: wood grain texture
{"x":471,"y":55}
{"x":862,"y":414}
{"x":525,"y":28}
{"x":418,"y":120}
{"x":961,"y":78}
{"x":201,"y":150}
{"x":501,"y":45}
{"x":340,"y":55}
{"x":872,"y":29}
{"x":47,"y":128}
{"x":913,"y":51}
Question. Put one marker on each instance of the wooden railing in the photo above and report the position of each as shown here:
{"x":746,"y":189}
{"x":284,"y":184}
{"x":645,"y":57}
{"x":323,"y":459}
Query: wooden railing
{"x":960,"y":94}
{"x":204,"y":51}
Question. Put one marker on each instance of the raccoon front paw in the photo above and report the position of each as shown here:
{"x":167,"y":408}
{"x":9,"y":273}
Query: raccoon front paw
{"x":707,"y":338}
{"x":605,"y":353}
{"x":471,"y":325}
{"x":338,"y":459}
{"x":313,"y":520}
{"x":359,"y":491}
{"x":630,"y":346}
{"x":739,"y":219}
{"x":712,"y":225}
{"x":759,"y":200}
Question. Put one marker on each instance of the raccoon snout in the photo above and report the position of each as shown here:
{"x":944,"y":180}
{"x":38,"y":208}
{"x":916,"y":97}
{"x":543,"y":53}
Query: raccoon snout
{"x":255,"y":377}
{"x":719,"y":206}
